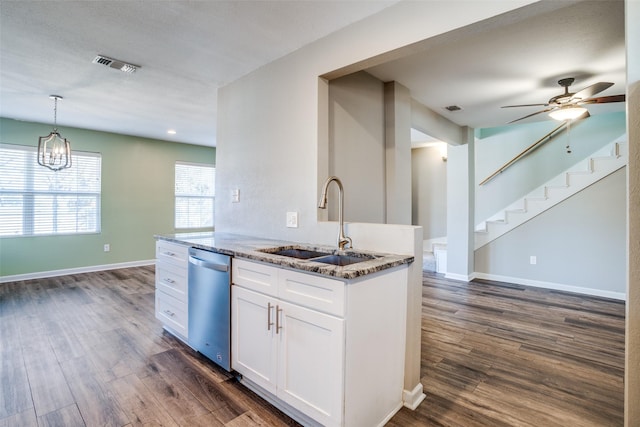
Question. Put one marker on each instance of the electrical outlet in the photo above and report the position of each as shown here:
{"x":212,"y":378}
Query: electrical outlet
{"x":533,"y":260}
{"x":292,"y":219}
{"x":107,"y":247}
{"x":235,"y":196}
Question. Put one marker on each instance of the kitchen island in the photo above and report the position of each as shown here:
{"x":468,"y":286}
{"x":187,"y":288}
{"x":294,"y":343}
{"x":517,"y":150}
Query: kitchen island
{"x":240,"y":246}
{"x":324,"y":343}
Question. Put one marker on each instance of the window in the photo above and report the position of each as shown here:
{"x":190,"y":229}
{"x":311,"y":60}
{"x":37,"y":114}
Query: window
{"x":36,"y":201}
{"x":195,"y":195}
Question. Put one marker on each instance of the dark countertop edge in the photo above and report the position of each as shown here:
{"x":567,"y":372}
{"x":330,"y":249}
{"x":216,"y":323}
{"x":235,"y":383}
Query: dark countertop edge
{"x":247,"y":247}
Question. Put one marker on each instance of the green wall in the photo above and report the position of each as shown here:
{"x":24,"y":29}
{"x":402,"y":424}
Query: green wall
{"x":137,"y":200}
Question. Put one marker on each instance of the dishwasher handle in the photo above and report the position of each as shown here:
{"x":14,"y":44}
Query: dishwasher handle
{"x":202,"y":263}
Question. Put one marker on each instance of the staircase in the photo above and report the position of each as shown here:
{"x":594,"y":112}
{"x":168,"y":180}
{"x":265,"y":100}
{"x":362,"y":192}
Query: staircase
{"x":434,"y":258}
{"x":583,"y":174}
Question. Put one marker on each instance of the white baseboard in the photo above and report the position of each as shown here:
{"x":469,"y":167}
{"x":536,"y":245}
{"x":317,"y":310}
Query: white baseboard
{"x":77,"y":270}
{"x":413,"y":398}
{"x":555,"y":286}
{"x":461,"y":277}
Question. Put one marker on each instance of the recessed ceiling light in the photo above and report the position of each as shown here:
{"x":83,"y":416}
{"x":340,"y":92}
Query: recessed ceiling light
{"x":171,"y":132}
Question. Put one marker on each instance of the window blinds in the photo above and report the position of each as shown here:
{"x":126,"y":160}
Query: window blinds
{"x":195,"y":195}
{"x":37,"y":201}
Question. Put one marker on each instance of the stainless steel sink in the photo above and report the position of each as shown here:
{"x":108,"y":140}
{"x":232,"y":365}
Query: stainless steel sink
{"x":342,"y":260}
{"x":303,"y":253}
{"x":295,"y":252}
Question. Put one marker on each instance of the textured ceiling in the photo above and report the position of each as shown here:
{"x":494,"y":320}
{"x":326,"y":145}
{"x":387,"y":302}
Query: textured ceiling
{"x":517,"y":59}
{"x":188,"y":49}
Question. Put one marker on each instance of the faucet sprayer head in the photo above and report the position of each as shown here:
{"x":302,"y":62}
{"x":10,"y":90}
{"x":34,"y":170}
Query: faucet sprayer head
{"x":323,"y":201}
{"x":325,"y":190}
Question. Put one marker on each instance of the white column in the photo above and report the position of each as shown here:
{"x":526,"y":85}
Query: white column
{"x":460,"y":209}
{"x":397,"y":112}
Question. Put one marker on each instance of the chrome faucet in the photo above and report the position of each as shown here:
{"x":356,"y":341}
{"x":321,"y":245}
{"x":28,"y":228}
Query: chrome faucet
{"x":343,"y":240}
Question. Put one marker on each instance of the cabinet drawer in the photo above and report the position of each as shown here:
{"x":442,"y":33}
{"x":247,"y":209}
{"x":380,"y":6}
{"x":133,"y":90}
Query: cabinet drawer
{"x":171,"y":312}
{"x":172,"y":280}
{"x":255,"y":276}
{"x":172,"y":253}
{"x":318,"y":293}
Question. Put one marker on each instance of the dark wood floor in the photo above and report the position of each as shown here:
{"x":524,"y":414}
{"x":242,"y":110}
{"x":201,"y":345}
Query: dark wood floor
{"x":86,"y":350}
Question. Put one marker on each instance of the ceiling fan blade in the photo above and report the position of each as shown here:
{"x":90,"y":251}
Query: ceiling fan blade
{"x":533,"y":114}
{"x":589,"y":91}
{"x":604,"y":99}
{"x":524,"y":105}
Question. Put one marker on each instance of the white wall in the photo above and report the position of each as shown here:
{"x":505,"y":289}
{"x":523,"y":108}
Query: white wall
{"x":357,"y":147}
{"x":429,"y":191}
{"x":579,"y":244}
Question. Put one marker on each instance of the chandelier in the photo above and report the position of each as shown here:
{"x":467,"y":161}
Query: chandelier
{"x":54,"y":151}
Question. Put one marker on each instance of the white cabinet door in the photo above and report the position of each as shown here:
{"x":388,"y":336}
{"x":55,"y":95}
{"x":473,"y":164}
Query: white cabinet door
{"x":254,"y":349}
{"x":310,"y":362}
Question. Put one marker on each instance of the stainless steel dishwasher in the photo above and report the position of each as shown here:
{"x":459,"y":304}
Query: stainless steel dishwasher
{"x":209,"y":323}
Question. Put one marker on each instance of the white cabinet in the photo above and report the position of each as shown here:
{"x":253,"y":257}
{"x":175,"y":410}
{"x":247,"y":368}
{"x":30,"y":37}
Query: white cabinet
{"x":331,"y":349}
{"x":254,"y":347}
{"x":292,"y":352}
{"x":310,"y":368}
{"x":172,"y":287}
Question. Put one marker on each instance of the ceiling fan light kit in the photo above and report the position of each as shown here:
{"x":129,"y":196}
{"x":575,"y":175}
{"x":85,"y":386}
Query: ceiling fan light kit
{"x":569,"y":112}
{"x":568,"y":105}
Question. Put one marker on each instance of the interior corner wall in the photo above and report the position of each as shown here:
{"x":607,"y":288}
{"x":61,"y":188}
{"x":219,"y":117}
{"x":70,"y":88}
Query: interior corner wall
{"x":497,"y":146}
{"x":137,"y":202}
{"x":435,"y":125}
{"x":579,"y":244}
{"x":357,"y":147}
{"x":429,"y":191}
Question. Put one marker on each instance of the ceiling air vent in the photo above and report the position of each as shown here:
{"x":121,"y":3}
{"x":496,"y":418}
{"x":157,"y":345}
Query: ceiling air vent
{"x":115,"y":64}
{"x":453,"y":108}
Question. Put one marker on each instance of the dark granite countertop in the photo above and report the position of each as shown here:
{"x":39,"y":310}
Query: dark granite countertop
{"x":250,"y":248}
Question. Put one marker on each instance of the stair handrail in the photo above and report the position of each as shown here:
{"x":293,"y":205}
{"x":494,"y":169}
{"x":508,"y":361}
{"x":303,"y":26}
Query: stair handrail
{"x":524,"y":152}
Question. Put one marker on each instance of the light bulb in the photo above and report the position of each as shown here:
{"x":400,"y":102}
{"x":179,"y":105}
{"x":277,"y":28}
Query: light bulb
{"x":568,"y":112}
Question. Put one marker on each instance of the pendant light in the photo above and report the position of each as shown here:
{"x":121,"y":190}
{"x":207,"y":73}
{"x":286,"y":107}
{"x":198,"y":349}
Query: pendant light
{"x":54,"y":151}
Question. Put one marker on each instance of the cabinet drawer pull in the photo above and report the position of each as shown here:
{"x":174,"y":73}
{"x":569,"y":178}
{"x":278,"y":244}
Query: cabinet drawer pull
{"x":269,"y":322}
{"x":278,"y":311}
{"x":170,"y":281}
{"x":170,"y":313}
{"x":170,"y":253}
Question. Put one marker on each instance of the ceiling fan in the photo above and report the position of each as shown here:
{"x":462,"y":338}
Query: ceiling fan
{"x":568,"y":104}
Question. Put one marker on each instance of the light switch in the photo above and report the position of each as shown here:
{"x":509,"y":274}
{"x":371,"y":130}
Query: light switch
{"x":292,"y":219}
{"x":235,"y":196}
{"x":533,"y":260}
